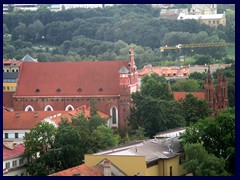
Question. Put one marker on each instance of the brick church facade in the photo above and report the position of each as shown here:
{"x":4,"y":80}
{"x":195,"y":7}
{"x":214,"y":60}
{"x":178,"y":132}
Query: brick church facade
{"x":68,"y":85}
{"x":217,"y":97}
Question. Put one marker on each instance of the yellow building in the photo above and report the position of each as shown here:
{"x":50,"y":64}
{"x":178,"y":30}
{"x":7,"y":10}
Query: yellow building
{"x":156,"y":157}
{"x":10,"y":81}
{"x":212,"y":20}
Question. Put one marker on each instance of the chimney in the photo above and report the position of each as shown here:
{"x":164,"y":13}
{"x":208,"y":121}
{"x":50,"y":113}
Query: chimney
{"x":17,"y":114}
{"x":35,"y":114}
{"x":107,"y":168}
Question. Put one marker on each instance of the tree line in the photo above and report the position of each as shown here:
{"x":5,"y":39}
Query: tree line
{"x":62,"y":34}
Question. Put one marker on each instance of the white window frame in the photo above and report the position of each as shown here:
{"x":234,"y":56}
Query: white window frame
{"x":111,"y":122}
{"x":69,"y":106}
{"x":48,"y":106}
{"x":29,"y":106}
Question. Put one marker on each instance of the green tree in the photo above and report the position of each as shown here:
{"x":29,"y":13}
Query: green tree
{"x":156,"y":115}
{"x":37,"y":143}
{"x":201,"y":163}
{"x":155,"y":86}
{"x":103,"y":138}
{"x":194,"y":109}
{"x":70,"y":153}
{"x":19,"y":32}
{"x":217,"y":136}
{"x":188,"y":85}
{"x":5,"y":29}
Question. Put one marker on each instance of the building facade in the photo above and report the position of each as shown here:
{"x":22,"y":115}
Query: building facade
{"x":13,"y":162}
{"x":217,"y":97}
{"x":67,"y":85}
{"x":155,"y":157}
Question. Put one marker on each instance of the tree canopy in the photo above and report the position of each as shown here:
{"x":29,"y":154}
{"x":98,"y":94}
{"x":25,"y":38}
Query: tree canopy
{"x":94,"y":34}
{"x":217,"y":135}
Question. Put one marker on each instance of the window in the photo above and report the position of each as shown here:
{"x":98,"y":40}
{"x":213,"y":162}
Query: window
{"x":182,"y":158}
{"x":48,"y":108}
{"x":14,"y":163}
{"x":170,"y":170}
{"x":6,"y":135}
{"x":209,"y":22}
{"x":16,"y":135}
{"x":37,"y":90}
{"x":7,"y":164}
{"x":20,"y":161}
{"x":114,"y":115}
{"x":29,"y":108}
{"x":22,"y":174}
{"x":69,"y":108}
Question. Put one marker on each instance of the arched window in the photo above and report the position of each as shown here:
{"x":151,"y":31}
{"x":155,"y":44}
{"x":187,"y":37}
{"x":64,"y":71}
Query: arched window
{"x":69,"y":108}
{"x":114,"y":116}
{"x":48,"y":108}
{"x":29,"y":108}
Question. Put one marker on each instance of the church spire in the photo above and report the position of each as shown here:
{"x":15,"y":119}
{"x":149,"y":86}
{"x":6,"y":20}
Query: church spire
{"x":131,"y":62}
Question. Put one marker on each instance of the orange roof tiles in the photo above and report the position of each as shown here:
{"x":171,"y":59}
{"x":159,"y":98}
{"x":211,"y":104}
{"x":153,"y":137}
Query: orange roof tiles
{"x":9,"y":153}
{"x":82,"y":170}
{"x":24,"y":120}
{"x":181,"y":95}
{"x":69,"y":78}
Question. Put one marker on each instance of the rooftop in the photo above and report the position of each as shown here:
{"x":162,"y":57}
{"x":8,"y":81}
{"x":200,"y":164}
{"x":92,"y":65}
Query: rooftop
{"x":86,"y":78}
{"x":153,"y":149}
{"x":81,"y":170}
{"x":178,"y":96}
{"x":10,"y":152}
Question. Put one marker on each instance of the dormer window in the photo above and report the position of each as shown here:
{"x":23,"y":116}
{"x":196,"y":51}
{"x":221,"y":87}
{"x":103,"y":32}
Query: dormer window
{"x":79,"y":90}
{"x":37,"y":90}
{"x":100,"y":90}
{"x":58,"y":90}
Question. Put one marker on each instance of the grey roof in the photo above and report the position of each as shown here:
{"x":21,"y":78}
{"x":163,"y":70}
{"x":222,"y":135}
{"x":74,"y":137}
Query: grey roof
{"x":153,"y":149}
{"x":123,"y":70}
{"x":10,"y":75}
{"x":28,"y":58}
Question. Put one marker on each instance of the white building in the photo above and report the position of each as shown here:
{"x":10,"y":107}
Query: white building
{"x":72,"y":6}
{"x":203,"y":9}
{"x":13,"y":162}
{"x":25,"y":7}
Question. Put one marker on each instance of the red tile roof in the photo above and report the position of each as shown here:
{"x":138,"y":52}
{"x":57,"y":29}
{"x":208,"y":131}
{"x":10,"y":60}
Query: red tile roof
{"x":82,"y":170}
{"x":9,"y":153}
{"x":8,"y":99}
{"x":24,"y":120}
{"x":82,"y":109}
{"x":181,"y":95}
{"x":71,"y":78}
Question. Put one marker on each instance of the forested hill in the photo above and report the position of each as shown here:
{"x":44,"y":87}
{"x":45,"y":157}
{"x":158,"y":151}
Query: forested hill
{"x":105,"y":34}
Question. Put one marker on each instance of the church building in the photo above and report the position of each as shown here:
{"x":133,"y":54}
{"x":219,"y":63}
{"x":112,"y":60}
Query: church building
{"x":50,"y":86}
